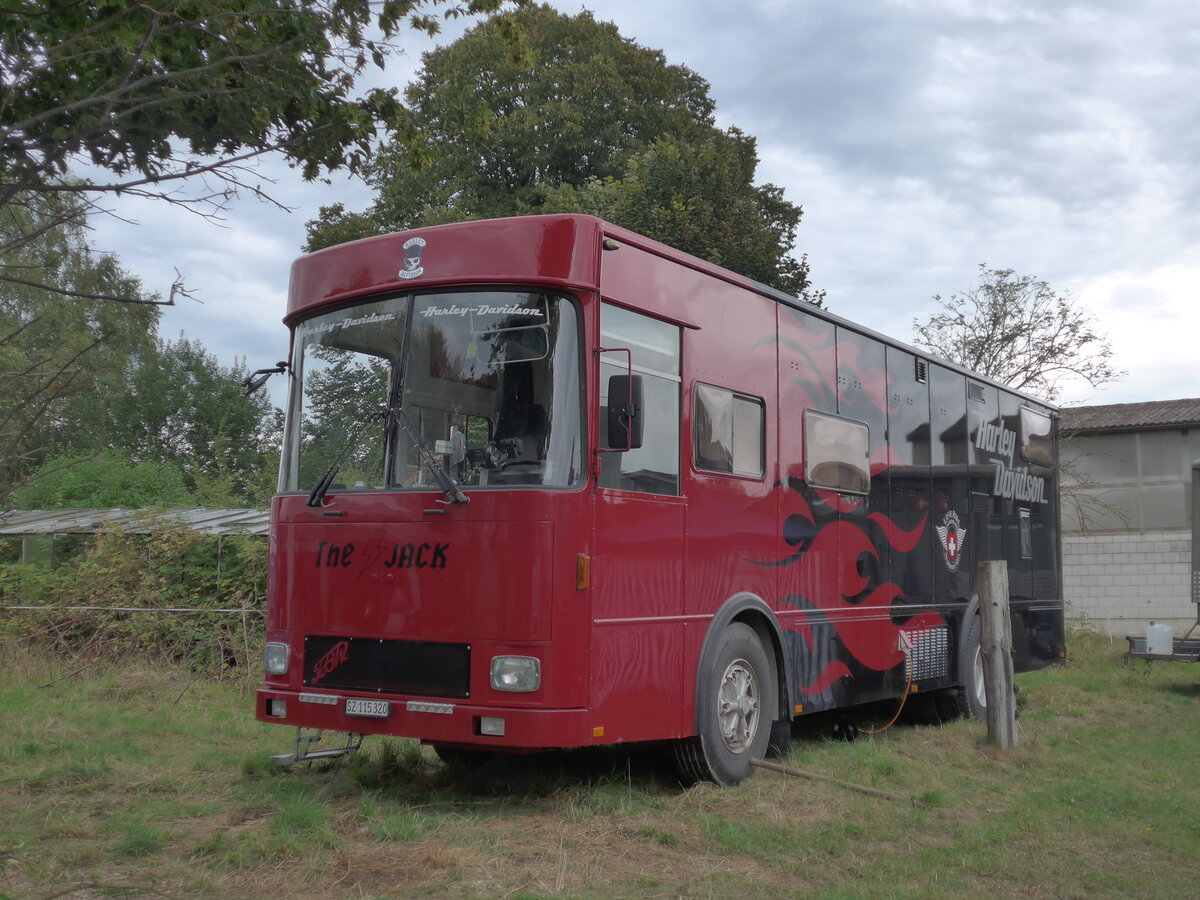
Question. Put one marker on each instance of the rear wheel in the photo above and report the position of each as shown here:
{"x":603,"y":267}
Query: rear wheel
{"x":738,"y":702}
{"x":972,"y":699}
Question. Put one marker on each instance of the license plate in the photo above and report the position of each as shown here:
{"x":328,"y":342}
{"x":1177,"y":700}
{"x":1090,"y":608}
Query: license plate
{"x":374,"y":709}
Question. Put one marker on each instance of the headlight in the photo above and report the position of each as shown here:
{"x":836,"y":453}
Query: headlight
{"x":516,"y":673}
{"x":275,"y":658}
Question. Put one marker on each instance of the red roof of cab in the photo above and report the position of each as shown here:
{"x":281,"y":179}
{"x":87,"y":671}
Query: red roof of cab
{"x":551,"y":250}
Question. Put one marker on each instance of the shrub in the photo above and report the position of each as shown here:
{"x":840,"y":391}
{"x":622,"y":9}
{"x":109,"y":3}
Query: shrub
{"x":118,"y":597}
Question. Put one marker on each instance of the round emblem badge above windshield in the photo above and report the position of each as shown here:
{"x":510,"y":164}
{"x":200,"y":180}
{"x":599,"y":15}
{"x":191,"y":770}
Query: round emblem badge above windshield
{"x":412,"y":258}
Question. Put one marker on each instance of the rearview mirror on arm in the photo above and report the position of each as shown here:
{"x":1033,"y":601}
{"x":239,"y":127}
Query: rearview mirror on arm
{"x":625,"y":412}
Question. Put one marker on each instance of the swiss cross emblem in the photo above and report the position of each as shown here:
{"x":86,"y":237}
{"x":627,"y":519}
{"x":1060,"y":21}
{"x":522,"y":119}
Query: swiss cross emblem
{"x":951,"y":534}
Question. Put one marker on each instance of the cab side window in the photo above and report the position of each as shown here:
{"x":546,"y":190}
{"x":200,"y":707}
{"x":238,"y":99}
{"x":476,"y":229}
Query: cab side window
{"x":652,"y":468}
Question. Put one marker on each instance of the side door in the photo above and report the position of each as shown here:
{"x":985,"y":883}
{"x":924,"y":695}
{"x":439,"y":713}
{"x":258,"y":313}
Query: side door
{"x":638,"y":558}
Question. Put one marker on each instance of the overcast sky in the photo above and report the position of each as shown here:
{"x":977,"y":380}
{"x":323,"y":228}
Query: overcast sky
{"x":922,"y":137}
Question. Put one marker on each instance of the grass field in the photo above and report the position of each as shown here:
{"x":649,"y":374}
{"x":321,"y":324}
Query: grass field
{"x":142,"y":781}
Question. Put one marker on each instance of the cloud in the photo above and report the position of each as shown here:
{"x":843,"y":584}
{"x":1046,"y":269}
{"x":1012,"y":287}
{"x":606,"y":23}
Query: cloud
{"x":922,"y":137}
{"x":1152,"y":316}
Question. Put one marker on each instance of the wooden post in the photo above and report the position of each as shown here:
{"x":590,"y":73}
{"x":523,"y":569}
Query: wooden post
{"x":991,"y":581}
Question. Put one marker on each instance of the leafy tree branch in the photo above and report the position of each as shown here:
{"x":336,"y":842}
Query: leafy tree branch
{"x":170,"y":99}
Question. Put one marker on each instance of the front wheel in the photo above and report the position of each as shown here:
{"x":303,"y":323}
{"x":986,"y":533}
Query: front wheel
{"x":738,"y":703}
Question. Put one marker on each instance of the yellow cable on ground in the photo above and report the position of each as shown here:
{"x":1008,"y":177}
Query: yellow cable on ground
{"x":900,"y":708}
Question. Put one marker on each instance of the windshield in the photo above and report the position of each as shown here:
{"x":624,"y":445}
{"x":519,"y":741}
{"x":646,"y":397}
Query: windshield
{"x":484,"y":385}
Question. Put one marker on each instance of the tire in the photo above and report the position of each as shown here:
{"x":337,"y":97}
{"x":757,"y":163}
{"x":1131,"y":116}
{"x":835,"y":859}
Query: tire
{"x":972,"y":701}
{"x":738,"y":703}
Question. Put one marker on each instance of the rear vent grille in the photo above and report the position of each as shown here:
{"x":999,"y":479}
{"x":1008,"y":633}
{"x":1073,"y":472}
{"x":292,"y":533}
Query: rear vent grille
{"x":922,"y":371}
{"x":928,"y":654}
{"x":975,"y":391}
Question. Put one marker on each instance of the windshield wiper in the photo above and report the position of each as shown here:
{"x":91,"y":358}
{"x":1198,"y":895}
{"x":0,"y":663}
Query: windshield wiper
{"x":445,"y":482}
{"x":439,"y":473}
{"x":348,"y":447}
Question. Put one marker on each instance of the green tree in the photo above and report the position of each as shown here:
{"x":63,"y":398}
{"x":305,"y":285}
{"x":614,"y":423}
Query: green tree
{"x":178,"y":406}
{"x":101,"y":481}
{"x":57,"y":351}
{"x":498,"y":125}
{"x":587,"y":121}
{"x":700,"y":198}
{"x":79,"y":375}
{"x":1017,"y":330}
{"x":151,"y":95}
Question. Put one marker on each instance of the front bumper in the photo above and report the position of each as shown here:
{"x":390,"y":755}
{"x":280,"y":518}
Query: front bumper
{"x":430,"y":720}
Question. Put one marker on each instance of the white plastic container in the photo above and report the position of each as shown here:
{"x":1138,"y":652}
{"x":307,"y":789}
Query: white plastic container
{"x":1159,"y":641}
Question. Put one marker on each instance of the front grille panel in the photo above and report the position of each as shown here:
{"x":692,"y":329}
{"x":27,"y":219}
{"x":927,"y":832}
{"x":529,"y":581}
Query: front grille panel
{"x":419,"y":668}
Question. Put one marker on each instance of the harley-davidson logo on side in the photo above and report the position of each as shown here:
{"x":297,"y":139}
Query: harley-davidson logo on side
{"x":952,"y":536}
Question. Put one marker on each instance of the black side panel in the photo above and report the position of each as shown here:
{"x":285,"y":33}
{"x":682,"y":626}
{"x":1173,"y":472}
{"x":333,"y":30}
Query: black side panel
{"x":1016,"y":520}
{"x":909,"y":502}
{"x":954,"y":533}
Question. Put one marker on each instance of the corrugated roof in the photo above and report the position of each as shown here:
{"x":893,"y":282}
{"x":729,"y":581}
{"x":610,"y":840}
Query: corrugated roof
{"x":86,"y":521}
{"x":1131,"y":416}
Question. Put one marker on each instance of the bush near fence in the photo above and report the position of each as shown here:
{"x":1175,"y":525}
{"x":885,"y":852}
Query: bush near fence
{"x":173,"y":593}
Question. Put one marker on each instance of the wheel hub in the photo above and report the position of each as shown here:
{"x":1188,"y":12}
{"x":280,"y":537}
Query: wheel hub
{"x":738,"y":706}
{"x":978,"y":686}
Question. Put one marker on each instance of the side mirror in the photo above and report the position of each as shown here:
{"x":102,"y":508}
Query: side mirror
{"x":258,"y":378}
{"x":625,"y":418}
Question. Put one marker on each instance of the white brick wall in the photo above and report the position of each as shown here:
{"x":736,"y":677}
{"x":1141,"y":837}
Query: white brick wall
{"x":1120,"y":582}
